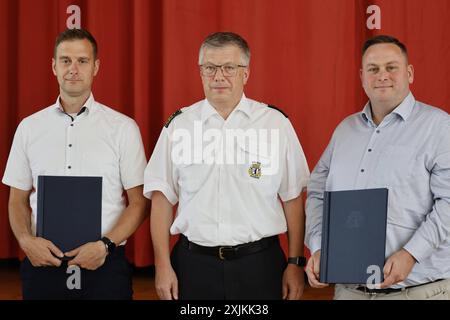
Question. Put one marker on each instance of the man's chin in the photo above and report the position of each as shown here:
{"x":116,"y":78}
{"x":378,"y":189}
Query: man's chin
{"x":74,"y":93}
{"x":383,"y":95}
{"x":219,"y":98}
{"x":384,"y":100}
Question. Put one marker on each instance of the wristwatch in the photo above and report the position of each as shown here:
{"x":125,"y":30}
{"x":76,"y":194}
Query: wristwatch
{"x":299,"y":261}
{"x":110,"y":245}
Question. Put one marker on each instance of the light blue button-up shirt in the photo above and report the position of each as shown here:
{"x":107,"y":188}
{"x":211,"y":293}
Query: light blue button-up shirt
{"x":408,"y":153}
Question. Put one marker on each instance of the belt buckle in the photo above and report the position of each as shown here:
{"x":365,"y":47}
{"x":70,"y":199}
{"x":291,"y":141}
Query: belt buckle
{"x":221,"y":251}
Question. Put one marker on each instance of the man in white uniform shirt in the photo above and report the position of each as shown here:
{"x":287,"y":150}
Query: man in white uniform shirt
{"x":399,"y":143}
{"x":77,"y":136}
{"x":227,"y":161}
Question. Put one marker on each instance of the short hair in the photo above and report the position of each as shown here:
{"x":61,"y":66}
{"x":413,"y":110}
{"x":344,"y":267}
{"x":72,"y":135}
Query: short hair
{"x":384,"y":39}
{"x":76,"y":34}
{"x":223,"y":39}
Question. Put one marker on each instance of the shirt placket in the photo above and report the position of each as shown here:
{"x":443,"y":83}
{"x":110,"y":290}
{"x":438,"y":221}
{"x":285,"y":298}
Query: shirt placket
{"x":219,"y":165}
{"x":71,"y":159}
{"x":371,"y":152}
{"x":69,"y":149}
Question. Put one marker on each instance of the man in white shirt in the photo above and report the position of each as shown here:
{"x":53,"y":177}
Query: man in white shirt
{"x":227,"y":160}
{"x":77,"y":136}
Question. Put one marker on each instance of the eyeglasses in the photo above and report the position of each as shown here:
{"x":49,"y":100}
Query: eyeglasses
{"x":228,"y":70}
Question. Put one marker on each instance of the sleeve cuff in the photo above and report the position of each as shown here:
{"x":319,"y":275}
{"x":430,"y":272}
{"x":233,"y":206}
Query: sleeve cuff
{"x":164,"y":188}
{"x":16,"y":184}
{"x":315,"y":244}
{"x":133,"y":184}
{"x":291,"y":193}
{"x":419,"y":247}
{"x":294,"y":192}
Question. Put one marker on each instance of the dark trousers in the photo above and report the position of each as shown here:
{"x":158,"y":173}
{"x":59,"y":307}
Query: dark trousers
{"x":113,"y":280}
{"x":206,"y":277}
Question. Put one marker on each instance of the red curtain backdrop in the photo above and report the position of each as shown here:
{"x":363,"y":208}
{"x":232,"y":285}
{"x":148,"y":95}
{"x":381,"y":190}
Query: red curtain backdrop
{"x":305,"y":60}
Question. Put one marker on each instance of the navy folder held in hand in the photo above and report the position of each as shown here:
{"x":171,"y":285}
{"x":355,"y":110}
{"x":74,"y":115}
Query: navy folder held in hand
{"x":69,"y":210}
{"x":353,"y":235}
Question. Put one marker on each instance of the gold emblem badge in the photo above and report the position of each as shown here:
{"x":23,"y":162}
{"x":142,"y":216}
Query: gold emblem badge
{"x":255,"y":170}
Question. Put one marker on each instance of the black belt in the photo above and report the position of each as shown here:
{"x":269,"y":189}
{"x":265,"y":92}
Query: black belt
{"x":391,"y":290}
{"x":230,"y":252}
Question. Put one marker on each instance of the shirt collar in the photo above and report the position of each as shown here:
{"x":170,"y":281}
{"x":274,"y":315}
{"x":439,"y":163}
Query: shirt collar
{"x":404,"y":109}
{"x":89,"y":105}
{"x":243,"y":106}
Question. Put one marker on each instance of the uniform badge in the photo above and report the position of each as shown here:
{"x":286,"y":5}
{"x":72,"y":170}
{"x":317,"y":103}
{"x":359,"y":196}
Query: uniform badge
{"x":255,"y":170}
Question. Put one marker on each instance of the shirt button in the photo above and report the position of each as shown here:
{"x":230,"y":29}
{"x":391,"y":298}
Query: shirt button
{"x":370,"y":150}
{"x":362,"y":170}
{"x":378,"y":131}
{"x":71,"y":124}
{"x":70,"y":145}
{"x":69,"y":167}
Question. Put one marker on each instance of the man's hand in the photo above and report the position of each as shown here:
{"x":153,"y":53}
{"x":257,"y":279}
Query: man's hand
{"x":397,"y":268}
{"x":313,"y":271}
{"x":293,"y":282}
{"x":90,"y":256}
{"x":166,"y":283}
{"x":39,"y":251}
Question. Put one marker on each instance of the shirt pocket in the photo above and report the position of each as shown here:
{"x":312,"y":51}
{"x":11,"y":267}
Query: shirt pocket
{"x":258,"y":170}
{"x":395,"y":166}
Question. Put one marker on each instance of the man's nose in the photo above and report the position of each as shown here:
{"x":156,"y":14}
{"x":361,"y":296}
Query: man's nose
{"x":219,"y":74}
{"x":383,"y":75}
{"x":73,"y":69}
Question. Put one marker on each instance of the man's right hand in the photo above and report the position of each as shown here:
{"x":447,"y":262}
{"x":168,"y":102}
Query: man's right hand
{"x":313,"y":271}
{"x":39,"y":251}
{"x":166,"y":283}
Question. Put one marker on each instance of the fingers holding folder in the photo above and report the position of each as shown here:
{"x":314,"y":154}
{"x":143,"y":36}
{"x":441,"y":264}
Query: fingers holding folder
{"x":313,"y":271}
{"x":41,"y":252}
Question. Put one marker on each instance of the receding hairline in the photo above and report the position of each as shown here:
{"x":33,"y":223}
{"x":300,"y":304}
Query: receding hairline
{"x":404,"y":54}
{"x":244,"y":59}
{"x":74,"y":40}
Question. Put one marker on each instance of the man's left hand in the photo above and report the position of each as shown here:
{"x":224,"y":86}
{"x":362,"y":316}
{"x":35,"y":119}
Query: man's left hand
{"x":293,"y":282}
{"x":89,"y":256}
{"x":397,"y":268}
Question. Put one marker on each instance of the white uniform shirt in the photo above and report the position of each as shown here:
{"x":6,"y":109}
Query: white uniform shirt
{"x":228,"y":189}
{"x":98,"y":142}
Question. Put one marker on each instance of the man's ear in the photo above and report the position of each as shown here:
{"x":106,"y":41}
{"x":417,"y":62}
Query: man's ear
{"x":54,"y":66}
{"x":96,"y":66}
{"x":246,"y":74}
{"x":410,"y":74}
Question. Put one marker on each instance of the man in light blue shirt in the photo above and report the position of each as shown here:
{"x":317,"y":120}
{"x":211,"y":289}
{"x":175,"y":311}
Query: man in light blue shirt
{"x":401,"y":144}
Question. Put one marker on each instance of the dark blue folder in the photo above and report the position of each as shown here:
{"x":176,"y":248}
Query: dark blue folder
{"x":69,"y":210}
{"x":353,"y":235}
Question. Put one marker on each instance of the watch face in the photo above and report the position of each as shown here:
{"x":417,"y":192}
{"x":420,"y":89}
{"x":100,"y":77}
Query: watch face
{"x":301,"y":261}
{"x":109,"y":244}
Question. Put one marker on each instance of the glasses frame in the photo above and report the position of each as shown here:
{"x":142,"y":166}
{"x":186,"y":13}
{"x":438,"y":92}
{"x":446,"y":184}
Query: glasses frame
{"x":221,"y":68}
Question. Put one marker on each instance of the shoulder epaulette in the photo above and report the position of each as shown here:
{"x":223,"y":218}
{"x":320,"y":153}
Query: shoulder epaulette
{"x":176,"y":113}
{"x":273,"y":107}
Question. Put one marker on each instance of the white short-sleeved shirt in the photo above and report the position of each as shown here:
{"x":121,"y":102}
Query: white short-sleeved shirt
{"x":228,"y":175}
{"x":97,"y":142}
